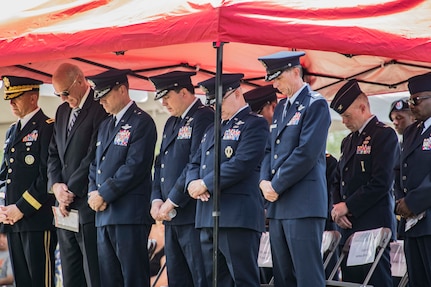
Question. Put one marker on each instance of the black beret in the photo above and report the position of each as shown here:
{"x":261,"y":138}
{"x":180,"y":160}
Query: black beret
{"x":229,"y":82}
{"x":420,"y":83}
{"x":399,"y":105}
{"x":170,"y":81}
{"x":259,"y":97}
{"x":16,"y":86}
{"x":277,"y":63}
{"x":346,"y":96}
{"x":103,"y":83}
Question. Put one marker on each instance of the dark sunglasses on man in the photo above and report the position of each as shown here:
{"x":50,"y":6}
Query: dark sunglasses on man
{"x":417,"y":100}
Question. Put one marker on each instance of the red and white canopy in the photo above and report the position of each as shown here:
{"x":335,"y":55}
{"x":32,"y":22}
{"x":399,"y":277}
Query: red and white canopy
{"x":380,"y":42}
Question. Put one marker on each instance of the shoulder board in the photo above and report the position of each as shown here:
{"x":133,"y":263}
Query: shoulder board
{"x":50,"y":121}
{"x":315,"y":95}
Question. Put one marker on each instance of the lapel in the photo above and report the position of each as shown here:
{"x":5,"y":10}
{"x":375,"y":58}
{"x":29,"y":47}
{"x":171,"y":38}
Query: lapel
{"x":173,"y":134}
{"x":414,"y":141}
{"x":28,"y":128}
{"x":123,"y":121}
{"x":349,"y":153}
{"x":292,"y":110}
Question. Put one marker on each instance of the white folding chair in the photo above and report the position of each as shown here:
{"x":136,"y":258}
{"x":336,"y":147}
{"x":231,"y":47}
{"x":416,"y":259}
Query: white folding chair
{"x":385,"y":236}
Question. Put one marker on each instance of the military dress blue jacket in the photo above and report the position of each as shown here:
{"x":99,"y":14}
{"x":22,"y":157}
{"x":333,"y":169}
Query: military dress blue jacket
{"x":121,"y":170}
{"x":242,"y":149}
{"x":295,"y":158}
{"x":180,"y":142}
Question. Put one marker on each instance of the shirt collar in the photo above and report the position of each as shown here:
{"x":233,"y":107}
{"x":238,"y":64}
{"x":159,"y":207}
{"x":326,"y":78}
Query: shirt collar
{"x":188,"y":109}
{"x":121,"y":113}
{"x":27,"y":117}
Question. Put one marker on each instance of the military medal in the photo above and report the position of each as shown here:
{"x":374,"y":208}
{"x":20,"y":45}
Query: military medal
{"x":228,"y":151}
{"x":29,"y":159}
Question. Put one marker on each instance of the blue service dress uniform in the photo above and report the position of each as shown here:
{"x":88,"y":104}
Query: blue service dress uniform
{"x":415,"y":187}
{"x":182,"y":245}
{"x":241,"y":203}
{"x":32,"y":239}
{"x":364,"y":181}
{"x":295,"y":165}
{"x":121,"y":172}
{"x":68,"y":162}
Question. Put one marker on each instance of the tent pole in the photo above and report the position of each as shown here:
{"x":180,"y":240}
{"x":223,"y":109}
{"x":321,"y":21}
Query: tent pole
{"x":217,"y":159}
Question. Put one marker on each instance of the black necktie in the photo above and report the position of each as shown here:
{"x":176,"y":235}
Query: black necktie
{"x":112,"y":124}
{"x":286,"y":108}
{"x":16,"y":131}
{"x":354,"y":140}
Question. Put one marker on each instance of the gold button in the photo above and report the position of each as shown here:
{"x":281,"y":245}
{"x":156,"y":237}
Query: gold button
{"x":103,"y":157}
{"x":275,"y":156}
{"x":9,"y":170}
{"x":162,"y":179}
{"x":342,"y":183}
{"x":166,"y":152}
{"x":204,"y":166}
{"x":11,"y":160}
{"x":207,"y":153}
{"x":12,"y":149}
{"x":99,"y":171}
{"x":8,"y":181}
{"x":277,"y":141}
{"x":273,"y":171}
{"x":404,"y":177}
{"x":162,"y":165}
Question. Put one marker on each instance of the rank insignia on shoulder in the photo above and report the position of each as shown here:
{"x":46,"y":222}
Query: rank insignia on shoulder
{"x":50,"y":121}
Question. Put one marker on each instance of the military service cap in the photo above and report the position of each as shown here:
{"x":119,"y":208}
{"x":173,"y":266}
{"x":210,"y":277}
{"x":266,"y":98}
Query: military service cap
{"x":261,"y":96}
{"x":229,"y":82}
{"x":170,"y":81}
{"x":277,"y":63}
{"x":104,"y":82}
{"x":16,"y":86}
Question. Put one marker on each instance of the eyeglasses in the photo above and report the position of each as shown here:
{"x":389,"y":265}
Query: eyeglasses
{"x":417,"y":100}
{"x":66,"y":92}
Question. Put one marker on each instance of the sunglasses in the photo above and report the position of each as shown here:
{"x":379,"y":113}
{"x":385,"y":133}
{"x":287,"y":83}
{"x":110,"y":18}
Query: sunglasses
{"x":417,"y":100}
{"x":66,"y":92}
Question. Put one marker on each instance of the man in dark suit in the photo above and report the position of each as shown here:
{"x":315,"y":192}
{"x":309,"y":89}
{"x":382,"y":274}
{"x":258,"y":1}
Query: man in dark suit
{"x":241,"y":221}
{"x":293,"y":174}
{"x":413,"y":195}
{"x":181,"y":138}
{"x":120,"y":183}
{"x":363,"y":187}
{"x":71,"y":151}
{"x":27,"y":214}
